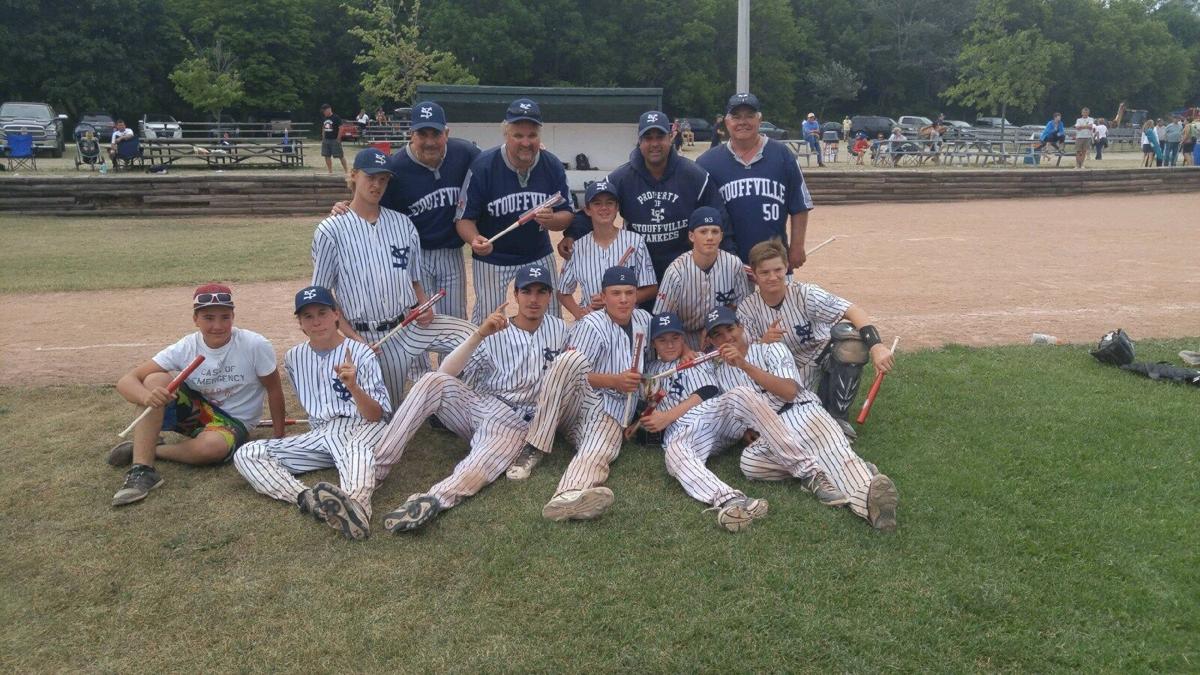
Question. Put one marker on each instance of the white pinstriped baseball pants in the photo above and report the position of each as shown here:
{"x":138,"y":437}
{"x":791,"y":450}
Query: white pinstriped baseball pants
{"x":445,"y":268}
{"x":493,"y":285}
{"x":496,"y":433}
{"x":400,"y":356}
{"x":348,"y":444}
{"x":819,"y":435}
{"x":567,"y":398}
{"x":711,"y":426}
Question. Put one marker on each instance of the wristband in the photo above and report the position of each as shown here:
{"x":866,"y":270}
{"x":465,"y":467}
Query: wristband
{"x":870,"y":335}
{"x":707,"y":391}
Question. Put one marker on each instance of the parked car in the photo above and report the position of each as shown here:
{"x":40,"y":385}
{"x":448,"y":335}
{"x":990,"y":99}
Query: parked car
{"x":832,"y":126}
{"x":100,"y":122}
{"x":872,"y":125}
{"x":157,"y":125}
{"x":702,"y":129}
{"x":993,"y":122}
{"x":38,"y":120}
{"x":959,"y":129}
{"x":771,"y":131}
{"x":913,"y":123}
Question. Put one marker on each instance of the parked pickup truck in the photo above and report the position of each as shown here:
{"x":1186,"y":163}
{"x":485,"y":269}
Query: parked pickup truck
{"x":37,"y":119}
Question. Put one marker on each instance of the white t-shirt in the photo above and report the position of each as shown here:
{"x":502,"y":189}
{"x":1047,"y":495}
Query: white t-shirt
{"x":121,"y":135}
{"x":228,"y":378}
{"x":1101,"y":131}
{"x":1086,"y":123}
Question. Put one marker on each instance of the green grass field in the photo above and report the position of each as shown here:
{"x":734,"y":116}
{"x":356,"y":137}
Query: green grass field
{"x":71,"y":254}
{"x":1047,"y":523}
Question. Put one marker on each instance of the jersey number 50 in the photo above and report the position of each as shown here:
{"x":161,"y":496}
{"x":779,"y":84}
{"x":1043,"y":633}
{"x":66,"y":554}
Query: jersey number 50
{"x":770,"y":212}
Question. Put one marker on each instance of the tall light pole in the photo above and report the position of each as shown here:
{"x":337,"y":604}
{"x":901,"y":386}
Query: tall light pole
{"x":743,"y":46}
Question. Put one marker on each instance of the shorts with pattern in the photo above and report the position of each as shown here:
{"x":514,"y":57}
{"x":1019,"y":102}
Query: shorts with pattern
{"x":191,"y":414}
{"x":331,"y":147}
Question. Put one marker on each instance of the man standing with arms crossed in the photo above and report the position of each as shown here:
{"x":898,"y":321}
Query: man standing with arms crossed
{"x":1083,"y":136}
{"x":503,"y":183}
{"x":658,"y":189}
{"x":763,"y":187}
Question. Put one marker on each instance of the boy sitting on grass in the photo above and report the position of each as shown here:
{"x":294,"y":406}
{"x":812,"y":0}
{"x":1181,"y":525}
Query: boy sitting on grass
{"x":215,"y":407}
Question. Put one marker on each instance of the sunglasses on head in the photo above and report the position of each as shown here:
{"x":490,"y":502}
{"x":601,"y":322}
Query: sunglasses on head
{"x":210,"y":298}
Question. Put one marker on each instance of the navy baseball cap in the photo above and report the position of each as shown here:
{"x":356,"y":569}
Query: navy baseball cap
{"x":719,"y":316}
{"x":596,"y":188}
{"x":372,"y":161}
{"x":314,"y":295}
{"x":653,"y":119}
{"x":532,"y":274}
{"x":705,"y":215}
{"x":523,"y":110}
{"x":618,"y":276}
{"x":428,"y":115}
{"x":738,"y":100}
{"x":662,"y":324}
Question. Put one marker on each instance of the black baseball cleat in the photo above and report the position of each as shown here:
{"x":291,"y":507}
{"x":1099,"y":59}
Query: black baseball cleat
{"x":412,"y":514}
{"x":341,"y":513}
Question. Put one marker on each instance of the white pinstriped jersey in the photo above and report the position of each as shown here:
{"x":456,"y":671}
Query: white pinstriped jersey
{"x":773,"y":358}
{"x":586,"y":267}
{"x":610,"y":351}
{"x":370,"y":267}
{"x":681,"y":385}
{"x":510,"y":364}
{"x":324,"y":397}
{"x":692,"y":292}
{"x":808,"y":312}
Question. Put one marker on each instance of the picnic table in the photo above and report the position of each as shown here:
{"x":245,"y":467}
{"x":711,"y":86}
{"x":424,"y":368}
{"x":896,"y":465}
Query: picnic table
{"x":801,"y":149}
{"x":216,"y":154}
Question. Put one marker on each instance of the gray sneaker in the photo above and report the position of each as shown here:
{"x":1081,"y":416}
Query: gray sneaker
{"x":139,"y":481}
{"x":882,"y":498}
{"x":736,"y":514}
{"x":523,"y":466}
{"x":824,"y":489}
{"x":847,"y":429}
{"x":340,"y":512}
{"x":121,"y":454}
{"x":413,"y":513}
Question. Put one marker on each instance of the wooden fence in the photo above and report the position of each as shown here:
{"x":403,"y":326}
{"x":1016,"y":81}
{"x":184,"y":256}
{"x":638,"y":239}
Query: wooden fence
{"x":199,"y":195}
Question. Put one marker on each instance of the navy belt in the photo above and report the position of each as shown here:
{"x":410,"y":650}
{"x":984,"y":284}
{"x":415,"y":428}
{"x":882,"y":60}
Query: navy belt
{"x":381,"y":326}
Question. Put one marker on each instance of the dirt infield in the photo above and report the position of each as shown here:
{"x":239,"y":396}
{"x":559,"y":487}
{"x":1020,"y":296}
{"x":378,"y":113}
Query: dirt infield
{"x":977,"y":273}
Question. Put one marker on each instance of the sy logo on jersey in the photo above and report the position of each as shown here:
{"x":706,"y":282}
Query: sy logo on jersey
{"x":401,"y":257}
{"x":725,"y":297}
{"x":550,"y":354}
{"x":340,"y":389}
{"x":804,"y":331}
{"x":657,"y":215}
{"x":676,"y":387}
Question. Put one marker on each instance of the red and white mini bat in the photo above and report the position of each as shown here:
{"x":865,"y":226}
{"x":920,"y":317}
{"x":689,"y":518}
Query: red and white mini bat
{"x":412,"y":315}
{"x":866,"y":408}
{"x":550,"y":203}
{"x":690,"y":363}
{"x":286,"y":422}
{"x":172,"y":387}
{"x":651,"y":406}
{"x":637,"y":360}
{"x":625,"y":257}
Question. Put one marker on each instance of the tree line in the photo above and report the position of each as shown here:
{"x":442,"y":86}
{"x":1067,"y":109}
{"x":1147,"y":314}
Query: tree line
{"x":832,"y":57}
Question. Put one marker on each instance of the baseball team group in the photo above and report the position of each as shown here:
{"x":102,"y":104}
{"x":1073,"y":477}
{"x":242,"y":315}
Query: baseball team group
{"x":689,"y":330}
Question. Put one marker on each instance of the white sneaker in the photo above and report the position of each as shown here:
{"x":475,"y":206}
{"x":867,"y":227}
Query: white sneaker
{"x":1190,"y":358}
{"x":578,"y":504}
{"x":523,"y":466}
{"x":737,"y":514}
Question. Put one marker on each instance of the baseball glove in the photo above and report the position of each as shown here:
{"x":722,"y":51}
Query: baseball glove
{"x":1115,"y":348}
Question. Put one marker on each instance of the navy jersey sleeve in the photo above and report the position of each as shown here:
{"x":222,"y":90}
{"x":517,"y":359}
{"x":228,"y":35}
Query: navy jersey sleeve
{"x":580,"y":227}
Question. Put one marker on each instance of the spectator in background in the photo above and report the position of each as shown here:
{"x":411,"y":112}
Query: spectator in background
{"x":1084,"y":128}
{"x":380,"y":116}
{"x":1150,"y":149}
{"x":1171,"y":139}
{"x":860,"y":148}
{"x":812,"y":135}
{"x":720,"y":133}
{"x":894,"y":145}
{"x":1053,"y":134}
{"x":1160,"y":129}
{"x":685,"y":128}
{"x":846,"y":128}
{"x":330,"y":145}
{"x":676,"y":136}
{"x":362,"y":120}
{"x":120,"y":134}
{"x":1190,"y":132}
{"x":1100,"y":137}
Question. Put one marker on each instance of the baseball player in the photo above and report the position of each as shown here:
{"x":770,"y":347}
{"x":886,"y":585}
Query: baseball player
{"x":340,"y":386}
{"x":698,"y":421}
{"x":216,"y":405}
{"x":812,"y":323}
{"x":590,"y":388}
{"x":429,"y":172}
{"x":503,"y":183}
{"x":501,"y":368}
{"x":370,"y":257}
{"x":657,"y":190}
{"x":761,"y":183}
{"x":604,"y":247}
{"x":771,"y":369}
{"x":704,"y":278}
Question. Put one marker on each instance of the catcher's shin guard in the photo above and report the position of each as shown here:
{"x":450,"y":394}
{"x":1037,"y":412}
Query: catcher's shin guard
{"x":841,"y":370}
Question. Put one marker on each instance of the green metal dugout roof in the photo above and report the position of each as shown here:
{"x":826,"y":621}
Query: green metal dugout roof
{"x":468,"y":103}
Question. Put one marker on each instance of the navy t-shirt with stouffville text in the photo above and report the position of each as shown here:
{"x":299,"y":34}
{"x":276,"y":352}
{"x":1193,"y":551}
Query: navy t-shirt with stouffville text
{"x":494,"y":198}
{"x":430,"y":197}
{"x":760,"y":197}
{"x":330,"y":126}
